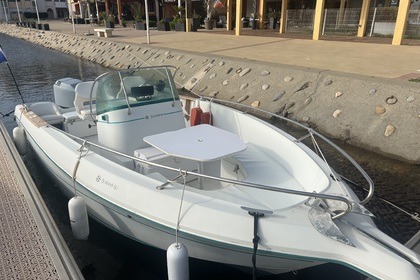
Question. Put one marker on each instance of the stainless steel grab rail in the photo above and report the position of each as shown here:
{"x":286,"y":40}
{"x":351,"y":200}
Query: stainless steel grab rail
{"x":220,"y":179}
{"x":310,"y":131}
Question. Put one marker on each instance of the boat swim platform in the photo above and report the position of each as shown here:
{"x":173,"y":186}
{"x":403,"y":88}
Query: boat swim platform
{"x":31,"y":246}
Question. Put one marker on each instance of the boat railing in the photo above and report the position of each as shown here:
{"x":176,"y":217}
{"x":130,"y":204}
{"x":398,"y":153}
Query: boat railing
{"x":245,"y":109}
{"x":182,"y":172}
{"x":311,"y":132}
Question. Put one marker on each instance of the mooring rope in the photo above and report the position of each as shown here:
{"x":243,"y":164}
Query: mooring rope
{"x":184,"y":176}
{"x":82,"y":153}
{"x":325,"y":160}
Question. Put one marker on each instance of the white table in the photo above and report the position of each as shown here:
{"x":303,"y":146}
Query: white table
{"x":200,"y":143}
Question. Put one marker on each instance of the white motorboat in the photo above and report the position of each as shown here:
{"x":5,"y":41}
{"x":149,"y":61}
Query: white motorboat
{"x":230,"y":187}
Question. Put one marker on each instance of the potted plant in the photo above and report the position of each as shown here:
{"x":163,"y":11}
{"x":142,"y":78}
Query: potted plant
{"x":45,"y":26}
{"x":139,"y":25}
{"x":108,"y":19}
{"x":179,"y":20}
{"x":209,"y":21}
{"x":253,"y":20}
{"x":109,"y":22}
{"x":179,"y":24}
{"x":163,"y":25}
{"x":195,"y":22}
{"x":137,"y":10}
{"x":272,"y":20}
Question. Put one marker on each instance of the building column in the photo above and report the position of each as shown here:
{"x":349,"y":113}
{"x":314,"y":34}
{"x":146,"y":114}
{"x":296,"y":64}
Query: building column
{"x":261,"y":12}
{"x":319,"y":12}
{"x":401,"y":22}
{"x":119,"y":11}
{"x":364,"y":13}
{"x":106,"y":8}
{"x":188,"y":22}
{"x":341,"y":12}
{"x":238,"y":23}
{"x":283,"y":16}
{"x":229,"y":15}
{"x":157,"y":10}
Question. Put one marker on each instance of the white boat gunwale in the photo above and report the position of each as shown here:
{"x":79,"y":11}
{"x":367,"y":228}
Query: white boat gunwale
{"x":225,"y":180}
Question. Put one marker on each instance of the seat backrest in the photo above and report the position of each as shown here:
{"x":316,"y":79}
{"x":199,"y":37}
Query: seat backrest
{"x":82,"y":96}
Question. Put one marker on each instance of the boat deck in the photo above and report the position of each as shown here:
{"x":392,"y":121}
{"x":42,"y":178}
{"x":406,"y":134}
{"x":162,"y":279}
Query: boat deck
{"x":31,"y":247}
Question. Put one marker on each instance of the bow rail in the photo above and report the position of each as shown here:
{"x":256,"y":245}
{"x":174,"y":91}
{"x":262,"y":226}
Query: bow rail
{"x":348,"y":202}
{"x":311,"y":133}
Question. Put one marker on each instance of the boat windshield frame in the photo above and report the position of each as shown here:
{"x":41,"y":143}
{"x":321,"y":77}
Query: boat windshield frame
{"x":125,"y":89}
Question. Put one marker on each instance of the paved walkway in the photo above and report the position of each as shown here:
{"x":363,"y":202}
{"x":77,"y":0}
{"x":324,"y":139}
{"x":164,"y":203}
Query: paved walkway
{"x":31,"y":247}
{"x":342,"y":54}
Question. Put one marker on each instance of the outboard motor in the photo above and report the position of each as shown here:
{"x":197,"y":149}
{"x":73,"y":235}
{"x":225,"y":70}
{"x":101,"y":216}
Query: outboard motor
{"x":64,"y":92}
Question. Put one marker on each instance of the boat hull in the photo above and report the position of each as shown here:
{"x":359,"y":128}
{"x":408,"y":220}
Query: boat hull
{"x":159,"y":236}
{"x":211,"y":227}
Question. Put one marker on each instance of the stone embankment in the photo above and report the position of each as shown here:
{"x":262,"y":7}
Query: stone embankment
{"x":377,"y":114}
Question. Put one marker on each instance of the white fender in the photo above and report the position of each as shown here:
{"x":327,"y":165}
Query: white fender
{"x":19,"y":137}
{"x":78,"y":218}
{"x":177,"y":259}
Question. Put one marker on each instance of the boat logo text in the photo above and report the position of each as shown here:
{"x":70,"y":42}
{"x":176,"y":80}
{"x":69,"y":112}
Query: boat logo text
{"x":102,"y":180}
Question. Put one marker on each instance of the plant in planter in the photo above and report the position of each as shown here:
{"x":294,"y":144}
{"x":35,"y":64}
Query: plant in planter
{"x":163,"y":25}
{"x":195,"y":22}
{"x":137,"y":10}
{"x":179,"y":20}
{"x":272,"y":19}
{"x":212,"y":7}
{"x":209,"y":21}
{"x":139,"y":25}
{"x":253,"y":20}
{"x":107,"y":19}
{"x":109,"y":23}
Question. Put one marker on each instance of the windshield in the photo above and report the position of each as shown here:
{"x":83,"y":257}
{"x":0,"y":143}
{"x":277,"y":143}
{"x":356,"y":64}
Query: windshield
{"x":134,"y":87}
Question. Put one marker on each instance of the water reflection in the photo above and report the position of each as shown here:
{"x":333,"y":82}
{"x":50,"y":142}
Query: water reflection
{"x":36,"y":69}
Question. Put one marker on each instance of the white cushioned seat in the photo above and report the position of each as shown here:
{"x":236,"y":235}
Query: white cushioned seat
{"x":83,"y":91}
{"x":48,"y":111}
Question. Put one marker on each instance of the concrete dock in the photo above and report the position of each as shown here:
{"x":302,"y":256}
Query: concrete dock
{"x":31,"y":246}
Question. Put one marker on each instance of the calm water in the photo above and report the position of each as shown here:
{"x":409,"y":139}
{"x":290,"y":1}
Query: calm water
{"x":107,"y":255}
